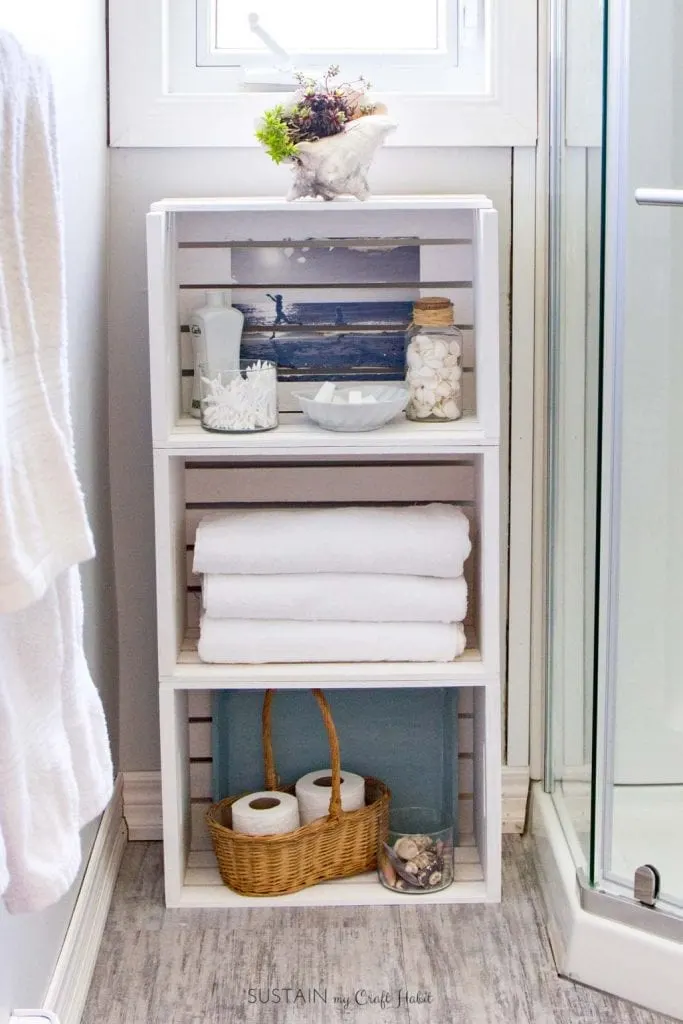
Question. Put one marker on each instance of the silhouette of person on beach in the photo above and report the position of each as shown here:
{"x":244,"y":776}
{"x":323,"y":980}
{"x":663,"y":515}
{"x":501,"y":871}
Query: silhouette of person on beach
{"x":280,"y":315}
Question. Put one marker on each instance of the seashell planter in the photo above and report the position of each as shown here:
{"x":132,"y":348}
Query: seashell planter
{"x":417,"y":856}
{"x":338,"y":165}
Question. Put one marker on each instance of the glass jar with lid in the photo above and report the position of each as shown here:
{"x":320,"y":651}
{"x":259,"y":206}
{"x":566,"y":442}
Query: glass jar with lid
{"x":434,"y":362}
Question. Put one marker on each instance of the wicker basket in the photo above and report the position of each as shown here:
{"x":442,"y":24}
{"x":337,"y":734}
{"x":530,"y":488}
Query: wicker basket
{"x":345,"y":843}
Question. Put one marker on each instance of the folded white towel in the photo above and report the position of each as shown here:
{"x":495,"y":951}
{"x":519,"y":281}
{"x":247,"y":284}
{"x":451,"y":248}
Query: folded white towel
{"x":43,"y":525}
{"x":418,"y":540}
{"x":345,"y":597}
{"x":246,"y":641}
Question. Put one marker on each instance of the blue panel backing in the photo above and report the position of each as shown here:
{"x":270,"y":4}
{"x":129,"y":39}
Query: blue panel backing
{"x":407,"y":738}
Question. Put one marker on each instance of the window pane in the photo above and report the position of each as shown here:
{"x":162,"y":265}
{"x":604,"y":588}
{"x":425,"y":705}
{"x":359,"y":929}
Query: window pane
{"x":314,"y":26}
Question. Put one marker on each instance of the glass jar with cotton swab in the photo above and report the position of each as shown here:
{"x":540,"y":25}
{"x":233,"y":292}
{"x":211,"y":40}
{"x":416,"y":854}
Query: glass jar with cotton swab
{"x":239,"y":401}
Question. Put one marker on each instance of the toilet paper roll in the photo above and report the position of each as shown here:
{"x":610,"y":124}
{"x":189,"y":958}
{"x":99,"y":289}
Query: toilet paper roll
{"x":267,"y":813}
{"x":314,"y":792}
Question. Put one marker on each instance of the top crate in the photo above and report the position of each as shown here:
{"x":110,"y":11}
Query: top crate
{"x":326,"y":289}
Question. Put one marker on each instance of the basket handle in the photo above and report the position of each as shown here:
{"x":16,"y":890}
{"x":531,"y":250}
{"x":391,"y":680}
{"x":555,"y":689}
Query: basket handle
{"x":335,"y":761}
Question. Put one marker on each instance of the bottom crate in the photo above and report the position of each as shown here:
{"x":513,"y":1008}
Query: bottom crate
{"x":191,"y":873}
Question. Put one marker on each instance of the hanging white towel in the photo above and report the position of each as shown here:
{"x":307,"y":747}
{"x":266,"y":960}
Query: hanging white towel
{"x":4,"y":873}
{"x":43,"y":525}
{"x":418,"y":540}
{"x":55,"y":763}
{"x":245,"y":641}
{"x":351,"y":597}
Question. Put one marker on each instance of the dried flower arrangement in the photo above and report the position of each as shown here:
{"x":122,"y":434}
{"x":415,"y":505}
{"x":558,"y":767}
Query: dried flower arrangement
{"x":329,"y":133}
{"x":320,"y":109}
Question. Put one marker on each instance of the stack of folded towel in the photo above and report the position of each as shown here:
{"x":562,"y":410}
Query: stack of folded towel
{"x":333,"y":584}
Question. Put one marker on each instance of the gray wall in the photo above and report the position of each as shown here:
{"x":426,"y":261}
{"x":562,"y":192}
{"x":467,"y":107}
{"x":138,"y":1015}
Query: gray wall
{"x":71,"y":35}
{"x":138,"y":177}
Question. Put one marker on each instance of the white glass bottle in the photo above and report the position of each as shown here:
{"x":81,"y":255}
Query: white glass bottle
{"x":216,"y":331}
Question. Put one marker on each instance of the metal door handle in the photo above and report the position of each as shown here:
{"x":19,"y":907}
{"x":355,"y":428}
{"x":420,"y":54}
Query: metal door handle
{"x":659,"y":196}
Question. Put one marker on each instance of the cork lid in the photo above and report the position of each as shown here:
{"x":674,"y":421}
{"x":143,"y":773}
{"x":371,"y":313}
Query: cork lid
{"x":433,"y":302}
{"x":433,"y":311}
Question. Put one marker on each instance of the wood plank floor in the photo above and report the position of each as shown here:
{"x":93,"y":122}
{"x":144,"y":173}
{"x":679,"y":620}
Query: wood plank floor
{"x":469,"y":964}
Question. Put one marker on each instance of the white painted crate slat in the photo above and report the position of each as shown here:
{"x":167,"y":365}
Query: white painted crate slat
{"x":199,"y":704}
{"x":343,"y":207}
{"x":198,"y":266}
{"x":295,"y":438}
{"x":330,"y":484}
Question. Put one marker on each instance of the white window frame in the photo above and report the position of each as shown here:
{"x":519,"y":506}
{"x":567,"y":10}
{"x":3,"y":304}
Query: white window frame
{"x":195,"y":67}
{"x":155,"y":100}
{"x":208,"y":56}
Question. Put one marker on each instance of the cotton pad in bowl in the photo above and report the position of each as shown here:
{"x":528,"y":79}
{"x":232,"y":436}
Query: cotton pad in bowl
{"x":354,"y":408}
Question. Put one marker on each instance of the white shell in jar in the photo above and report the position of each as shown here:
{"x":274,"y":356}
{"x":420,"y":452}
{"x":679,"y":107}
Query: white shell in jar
{"x":433,"y":375}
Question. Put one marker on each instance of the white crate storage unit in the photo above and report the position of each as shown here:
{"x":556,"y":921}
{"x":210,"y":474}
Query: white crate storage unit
{"x":190,"y":242}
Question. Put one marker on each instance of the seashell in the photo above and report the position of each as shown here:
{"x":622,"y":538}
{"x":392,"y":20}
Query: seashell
{"x":406,"y":848}
{"x":411,"y":867}
{"x":429,"y":397}
{"x":438,"y":411}
{"x":440,"y":350}
{"x":424,"y":842}
{"x":400,"y":884}
{"x":434,"y":362}
{"x":387,"y":870}
{"x":454,"y":347}
{"x":443,"y":389}
{"x":426,"y":859}
{"x":451,"y":410}
{"x":398,"y":864}
{"x":440,"y":847}
{"x":338,"y":164}
{"x":450,"y":360}
{"x":435,"y":878}
{"x":427,"y":372}
{"x":422,"y":411}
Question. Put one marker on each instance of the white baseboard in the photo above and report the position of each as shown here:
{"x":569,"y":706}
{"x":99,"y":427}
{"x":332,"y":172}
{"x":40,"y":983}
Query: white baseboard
{"x":142,"y":805}
{"x":68,"y":989}
{"x":515,"y":798}
{"x":142,"y":802}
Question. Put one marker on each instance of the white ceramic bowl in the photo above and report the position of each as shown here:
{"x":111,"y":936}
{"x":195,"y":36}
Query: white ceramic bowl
{"x":390,"y":400}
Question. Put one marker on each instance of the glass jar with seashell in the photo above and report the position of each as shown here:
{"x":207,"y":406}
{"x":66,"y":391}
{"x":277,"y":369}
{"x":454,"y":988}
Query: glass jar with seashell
{"x":417,"y":856}
{"x":434,"y":362}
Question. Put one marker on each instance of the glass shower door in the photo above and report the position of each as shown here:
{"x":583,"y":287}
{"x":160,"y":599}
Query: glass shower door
{"x":639,"y":768}
{"x":575,"y":229}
